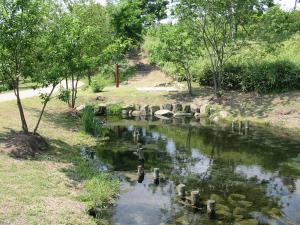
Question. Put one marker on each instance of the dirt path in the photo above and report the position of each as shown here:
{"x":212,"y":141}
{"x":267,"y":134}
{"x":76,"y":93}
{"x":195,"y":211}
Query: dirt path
{"x":9,"y":96}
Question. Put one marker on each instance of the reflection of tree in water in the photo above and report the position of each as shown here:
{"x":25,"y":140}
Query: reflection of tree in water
{"x":223,"y":150}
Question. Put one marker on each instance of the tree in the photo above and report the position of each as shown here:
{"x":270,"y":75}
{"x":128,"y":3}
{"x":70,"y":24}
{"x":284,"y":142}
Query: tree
{"x":19,"y":29}
{"x":221,"y":27}
{"x":26,"y":50}
{"x":175,"y":45}
{"x":130,"y":18}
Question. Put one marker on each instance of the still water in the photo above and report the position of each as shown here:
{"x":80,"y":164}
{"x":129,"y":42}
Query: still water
{"x":253,"y":175}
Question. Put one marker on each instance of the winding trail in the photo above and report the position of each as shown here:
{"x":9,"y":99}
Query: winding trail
{"x":9,"y":96}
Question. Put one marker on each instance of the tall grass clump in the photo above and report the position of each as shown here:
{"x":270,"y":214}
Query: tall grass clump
{"x":100,"y":190}
{"x":114,"y":109}
{"x":89,"y":122}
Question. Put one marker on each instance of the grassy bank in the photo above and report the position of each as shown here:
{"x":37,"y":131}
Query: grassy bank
{"x":57,"y":186}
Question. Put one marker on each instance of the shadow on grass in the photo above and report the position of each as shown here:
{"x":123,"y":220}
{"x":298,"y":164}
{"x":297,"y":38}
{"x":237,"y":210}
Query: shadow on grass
{"x":240,"y":103}
{"x":37,"y":148}
{"x":62,"y":119}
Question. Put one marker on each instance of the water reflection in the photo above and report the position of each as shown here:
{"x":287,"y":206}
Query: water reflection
{"x":253,"y":178}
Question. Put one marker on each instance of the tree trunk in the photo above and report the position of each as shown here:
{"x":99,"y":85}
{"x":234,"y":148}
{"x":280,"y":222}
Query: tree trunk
{"x":90,"y":77}
{"x":20,"y":107}
{"x":67,"y":88}
{"x":189,"y":87}
{"x":42,"y":112}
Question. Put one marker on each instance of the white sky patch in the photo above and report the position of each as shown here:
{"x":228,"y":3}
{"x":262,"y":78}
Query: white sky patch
{"x":288,"y":4}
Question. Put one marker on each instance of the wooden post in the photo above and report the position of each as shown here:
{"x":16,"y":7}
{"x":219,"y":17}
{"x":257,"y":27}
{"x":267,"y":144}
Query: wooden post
{"x":117,"y":75}
{"x":211,"y":211}
{"x":156,"y":173}
{"x":141,"y":174}
{"x":181,"y":190}
{"x":195,"y":198}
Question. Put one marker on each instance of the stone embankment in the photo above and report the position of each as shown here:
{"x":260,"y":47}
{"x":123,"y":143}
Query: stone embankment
{"x":167,"y":111}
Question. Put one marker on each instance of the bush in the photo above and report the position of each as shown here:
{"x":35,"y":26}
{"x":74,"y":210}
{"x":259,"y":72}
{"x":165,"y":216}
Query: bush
{"x":64,"y":94}
{"x":89,"y":122}
{"x":5,"y":87}
{"x":98,"y":84}
{"x":264,"y":76}
{"x":114,"y":109}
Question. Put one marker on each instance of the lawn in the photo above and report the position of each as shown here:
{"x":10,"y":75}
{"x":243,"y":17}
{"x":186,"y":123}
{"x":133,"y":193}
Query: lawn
{"x":55,"y":187}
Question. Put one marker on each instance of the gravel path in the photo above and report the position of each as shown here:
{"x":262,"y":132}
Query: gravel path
{"x":9,"y":96}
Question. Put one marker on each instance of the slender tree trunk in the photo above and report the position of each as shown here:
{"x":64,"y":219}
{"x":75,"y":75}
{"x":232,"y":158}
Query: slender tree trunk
{"x":67,"y":88}
{"x":20,"y":107}
{"x":189,"y":87}
{"x":43,"y":109}
{"x":75,"y":91}
{"x":90,"y":76}
{"x":73,"y":87}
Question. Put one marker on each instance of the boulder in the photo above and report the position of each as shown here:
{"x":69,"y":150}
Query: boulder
{"x":136,"y":113}
{"x":145,"y":110}
{"x":100,"y":110}
{"x":154,"y":109}
{"x":187,"y":109}
{"x":125,"y":112}
{"x":163,"y":112}
{"x":167,"y":107}
{"x":182,"y":114}
{"x":177,"y":107}
{"x":137,"y":107}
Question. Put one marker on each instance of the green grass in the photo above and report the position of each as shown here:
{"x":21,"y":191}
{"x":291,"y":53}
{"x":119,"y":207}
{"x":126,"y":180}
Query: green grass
{"x":54,"y":187}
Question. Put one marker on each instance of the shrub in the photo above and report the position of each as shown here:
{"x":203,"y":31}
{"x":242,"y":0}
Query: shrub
{"x":98,"y":84}
{"x":114,"y":109}
{"x":89,"y":122}
{"x":64,"y":94}
{"x":262,"y":76}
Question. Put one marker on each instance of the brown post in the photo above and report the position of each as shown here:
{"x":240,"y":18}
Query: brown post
{"x":117,"y":75}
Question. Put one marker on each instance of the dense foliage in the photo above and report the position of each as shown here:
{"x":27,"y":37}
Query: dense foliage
{"x":249,"y":50}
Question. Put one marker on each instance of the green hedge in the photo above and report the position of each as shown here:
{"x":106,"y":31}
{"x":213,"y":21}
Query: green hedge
{"x":262,"y":76}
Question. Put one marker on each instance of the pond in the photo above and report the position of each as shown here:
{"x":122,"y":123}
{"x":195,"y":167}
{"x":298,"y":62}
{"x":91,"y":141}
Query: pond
{"x":253,"y":175}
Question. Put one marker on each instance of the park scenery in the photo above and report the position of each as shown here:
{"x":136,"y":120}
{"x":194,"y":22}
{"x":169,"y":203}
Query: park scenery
{"x":150,"y":112}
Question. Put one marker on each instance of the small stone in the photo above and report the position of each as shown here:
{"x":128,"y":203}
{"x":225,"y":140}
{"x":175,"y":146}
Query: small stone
{"x":163,"y":112}
{"x":125,"y":112}
{"x":182,"y":114}
{"x":136,"y":113}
